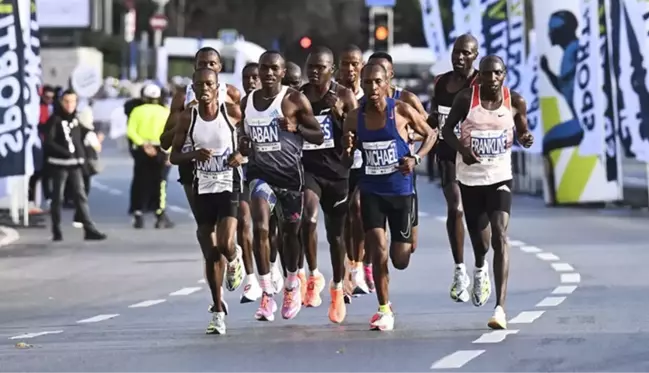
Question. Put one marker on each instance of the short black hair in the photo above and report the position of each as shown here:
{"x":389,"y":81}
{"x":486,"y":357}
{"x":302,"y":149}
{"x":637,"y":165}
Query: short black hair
{"x":48,"y":88}
{"x":273,"y":53}
{"x":352,"y":48}
{"x":68,"y":91}
{"x":493,"y":57}
{"x":324,"y":51}
{"x":373,"y":65}
{"x":208,"y":50}
{"x":204,"y":69}
{"x":251,"y":65}
{"x":381,"y":56}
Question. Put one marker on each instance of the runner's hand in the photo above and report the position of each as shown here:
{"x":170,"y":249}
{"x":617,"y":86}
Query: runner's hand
{"x":335,"y":103}
{"x":469,"y":157}
{"x":348,"y":142}
{"x":244,"y":144}
{"x":287,"y":125}
{"x":526,"y":139}
{"x":407,"y":165}
{"x":149,"y":150}
{"x":202,"y":154}
{"x":235,"y":159}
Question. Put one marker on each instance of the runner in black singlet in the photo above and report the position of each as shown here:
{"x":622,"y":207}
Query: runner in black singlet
{"x":447,"y":86}
{"x":293,"y":76}
{"x":326,"y":179}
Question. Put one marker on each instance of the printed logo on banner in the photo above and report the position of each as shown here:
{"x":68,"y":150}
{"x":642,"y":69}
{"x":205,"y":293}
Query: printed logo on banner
{"x":610,"y":139}
{"x":516,"y":43}
{"x":630,"y":69}
{"x":32,"y":80}
{"x":562,"y":31}
{"x":495,"y":28}
{"x":12,"y":141}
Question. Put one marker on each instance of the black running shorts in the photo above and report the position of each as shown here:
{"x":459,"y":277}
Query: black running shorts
{"x":396,"y":210}
{"x":186,"y":173}
{"x":333,"y":194}
{"x":446,"y":163}
{"x":213,"y":207}
{"x":354,"y":176}
{"x":479,"y":202}
{"x":288,"y":204}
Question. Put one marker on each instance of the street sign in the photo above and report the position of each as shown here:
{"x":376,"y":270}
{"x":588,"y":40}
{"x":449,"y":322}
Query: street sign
{"x":158,"y":22}
{"x":379,"y":3}
{"x":228,"y":36}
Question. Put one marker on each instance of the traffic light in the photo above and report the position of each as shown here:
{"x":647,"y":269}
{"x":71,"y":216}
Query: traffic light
{"x":381,"y":35}
{"x":305,"y":42}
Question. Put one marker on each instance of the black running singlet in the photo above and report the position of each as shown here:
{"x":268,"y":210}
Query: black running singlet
{"x":325,"y":160}
{"x":444,"y":99}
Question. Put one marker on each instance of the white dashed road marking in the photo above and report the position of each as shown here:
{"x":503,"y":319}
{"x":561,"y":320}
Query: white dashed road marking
{"x":526,"y":317}
{"x":185,"y":291}
{"x":564,"y":289}
{"x":457,"y":359}
{"x":548,"y":257}
{"x":496,"y":336}
{"x":570,"y":278}
{"x":202,"y":281}
{"x":10,"y":236}
{"x":98,"y":318}
{"x":147,"y":303}
{"x":530,"y":249}
{"x":34,"y":335}
{"x":551,"y":301}
{"x":562,"y":267}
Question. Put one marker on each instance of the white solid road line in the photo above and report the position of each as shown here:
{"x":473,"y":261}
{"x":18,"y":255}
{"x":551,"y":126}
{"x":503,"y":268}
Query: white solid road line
{"x":548,"y":257}
{"x":526,"y":317}
{"x":570,"y":278}
{"x":98,"y":318}
{"x":33,"y":335}
{"x":562,"y":267}
{"x":550,"y":302}
{"x":530,"y":249}
{"x":564,"y":289}
{"x":457,"y":359}
{"x":147,"y":303}
{"x":496,"y":336}
{"x":185,"y":291}
{"x":10,"y":236}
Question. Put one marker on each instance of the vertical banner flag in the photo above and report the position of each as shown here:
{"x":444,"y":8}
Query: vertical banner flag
{"x":587,"y":100}
{"x":515,"y":44}
{"x":12,"y":131}
{"x":530,"y":90}
{"x":574,"y":178}
{"x":613,"y":161}
{"x":491,"y":27}
{"x":32,"y":76}
{"x":433,"y":30}
{"x":628,"y":50}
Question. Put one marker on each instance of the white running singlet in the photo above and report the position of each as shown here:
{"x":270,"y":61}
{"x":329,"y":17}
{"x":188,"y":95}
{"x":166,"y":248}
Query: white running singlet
{"x":490,"y":134}
{"x":191,"y":101}
{"x":219,"y":136}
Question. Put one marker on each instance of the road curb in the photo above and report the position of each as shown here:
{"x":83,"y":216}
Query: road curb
{"x":8,"y":236}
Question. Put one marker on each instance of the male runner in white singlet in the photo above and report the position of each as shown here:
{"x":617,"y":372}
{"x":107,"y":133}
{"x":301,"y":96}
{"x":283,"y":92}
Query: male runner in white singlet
{"x":484,"y":172}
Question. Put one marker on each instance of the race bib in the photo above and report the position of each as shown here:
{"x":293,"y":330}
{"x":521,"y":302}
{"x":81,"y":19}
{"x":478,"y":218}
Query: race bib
{"x":442,"y":114}
{"x":489,"y":145}
{"x":380,"y":157}
{"x":216,"y":169}
{"x":264,"y":133}
{"x":326,"y":124}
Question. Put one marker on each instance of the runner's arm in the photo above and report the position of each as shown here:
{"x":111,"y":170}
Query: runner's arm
{"x":433,"y":118}
{"x":308,"y":125}
{"x":180,"y":135}
{"x":349,"y":100}
{"x":418,"y":124}
{"x":459,"y":111}
{"x":414,"y":101}
{"x":177,"y":103}
{"x":520,"y":120}
{"x":350,"y":126}
{"x":234,"y":94}
{"x":244,"y":140}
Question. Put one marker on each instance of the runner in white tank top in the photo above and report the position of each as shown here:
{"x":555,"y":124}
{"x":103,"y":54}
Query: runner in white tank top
{"x":217,"y":184}
{"x":490,"y":112}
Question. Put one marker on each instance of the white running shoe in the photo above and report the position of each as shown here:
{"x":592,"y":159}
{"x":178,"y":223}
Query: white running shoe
{"x":481,"y":286}
{"x":217,"y":324}
{"x":234,"y":271}
{"x":251,"y":290}
{"x":358,"y":282}
{"x":460,"y":286}
{"x":498,"y":320}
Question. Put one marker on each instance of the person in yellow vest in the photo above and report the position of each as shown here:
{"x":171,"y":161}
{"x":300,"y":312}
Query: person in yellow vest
{"x":145,"y":125}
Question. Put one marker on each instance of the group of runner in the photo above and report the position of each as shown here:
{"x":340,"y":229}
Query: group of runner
{"x":257,"y":170}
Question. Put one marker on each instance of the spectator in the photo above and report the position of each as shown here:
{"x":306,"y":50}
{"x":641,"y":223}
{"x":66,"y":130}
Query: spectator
{"x":46,"y":109}
{"x":66,"y":158}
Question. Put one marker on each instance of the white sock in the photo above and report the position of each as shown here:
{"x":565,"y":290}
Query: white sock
{"x":251,"y":278}
{"x":315,"y":272}
{"x":266,"y":284}
{"x":291,"y":280}
{"x":336,"y":285}
{"x":301,"y":271}
{"x":461,"y":267}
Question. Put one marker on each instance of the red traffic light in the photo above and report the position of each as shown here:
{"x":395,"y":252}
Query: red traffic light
{"x":305,"y":42}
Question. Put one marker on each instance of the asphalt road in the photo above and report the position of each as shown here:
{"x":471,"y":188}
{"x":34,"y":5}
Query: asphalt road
{"x":66,"y":306}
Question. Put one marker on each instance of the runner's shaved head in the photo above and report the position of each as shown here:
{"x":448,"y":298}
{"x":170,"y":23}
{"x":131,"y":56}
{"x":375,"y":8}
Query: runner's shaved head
{"x":467,"y":40}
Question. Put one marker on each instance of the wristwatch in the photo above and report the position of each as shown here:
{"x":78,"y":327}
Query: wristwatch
{"x":417,"y":159}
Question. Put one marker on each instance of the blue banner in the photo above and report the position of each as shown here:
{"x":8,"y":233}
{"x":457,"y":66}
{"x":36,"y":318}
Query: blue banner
{"x":12,"y":120}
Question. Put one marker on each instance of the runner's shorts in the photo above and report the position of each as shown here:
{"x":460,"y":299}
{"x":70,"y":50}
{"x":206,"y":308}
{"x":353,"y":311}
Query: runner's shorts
{"x":481,"y":201}
{"x":333,"y":194}
{"x":396,"y":210}
{"x":289,"y":204}
{"x":213,"y":207}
